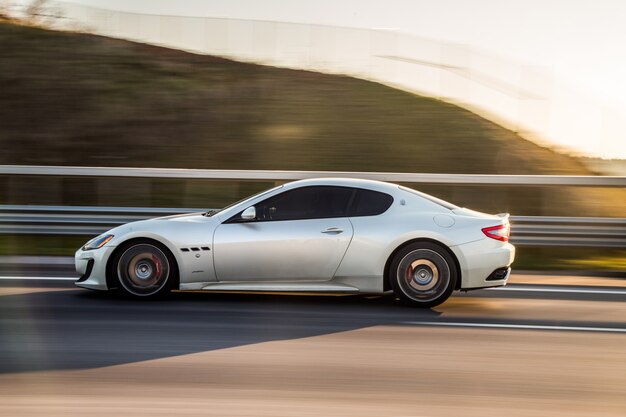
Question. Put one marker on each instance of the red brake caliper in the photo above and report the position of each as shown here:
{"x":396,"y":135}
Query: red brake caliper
{"x":409,"y":274}
{"x":157,"y":263}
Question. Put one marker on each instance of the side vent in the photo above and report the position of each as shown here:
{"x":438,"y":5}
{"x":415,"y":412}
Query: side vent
{"x":195,"y":249}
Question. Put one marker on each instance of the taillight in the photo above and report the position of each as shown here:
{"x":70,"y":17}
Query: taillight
{"x":500,"y":232}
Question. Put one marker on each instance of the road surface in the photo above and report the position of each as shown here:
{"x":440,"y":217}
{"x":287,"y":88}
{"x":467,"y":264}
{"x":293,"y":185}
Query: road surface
{"x":547,"y":345}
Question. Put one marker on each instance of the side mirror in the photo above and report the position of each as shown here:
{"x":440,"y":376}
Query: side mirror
{"x":249,"y":213}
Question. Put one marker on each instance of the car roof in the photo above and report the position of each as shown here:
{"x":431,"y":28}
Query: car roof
{"x":344,"y":182}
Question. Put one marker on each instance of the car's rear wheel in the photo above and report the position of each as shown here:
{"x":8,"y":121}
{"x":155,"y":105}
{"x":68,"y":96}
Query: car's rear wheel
{"x":144,"y":269}
{"x":423,"y":274}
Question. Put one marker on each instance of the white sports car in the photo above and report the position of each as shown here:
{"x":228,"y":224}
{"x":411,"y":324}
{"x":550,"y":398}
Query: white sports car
{"x":318,"y":235}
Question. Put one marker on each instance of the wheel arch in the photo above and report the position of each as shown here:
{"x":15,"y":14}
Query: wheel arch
{"x":386,"y":277}
{"x":111,"y":282}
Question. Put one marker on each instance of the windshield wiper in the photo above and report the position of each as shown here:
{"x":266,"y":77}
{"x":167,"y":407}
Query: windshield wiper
{"x":211,"y":212}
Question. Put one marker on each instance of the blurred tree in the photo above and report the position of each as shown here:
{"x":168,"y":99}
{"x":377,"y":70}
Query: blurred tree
{"x":35,"y":11}
{"x":41,"y":13}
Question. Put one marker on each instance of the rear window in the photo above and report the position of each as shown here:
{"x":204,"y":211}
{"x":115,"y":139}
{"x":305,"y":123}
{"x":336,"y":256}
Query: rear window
{"x":370,"y":203}
{"x":430,"y":198}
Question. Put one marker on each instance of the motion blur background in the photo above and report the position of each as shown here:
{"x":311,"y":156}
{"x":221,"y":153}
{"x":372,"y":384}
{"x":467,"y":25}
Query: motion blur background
{"x":512,"y":87}
{"x":399,"y":87}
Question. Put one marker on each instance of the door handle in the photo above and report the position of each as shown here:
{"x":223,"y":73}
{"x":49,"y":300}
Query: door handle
{"x":333,"y":230}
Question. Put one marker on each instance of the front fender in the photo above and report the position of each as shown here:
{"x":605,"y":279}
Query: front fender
{"x":189,"y":243}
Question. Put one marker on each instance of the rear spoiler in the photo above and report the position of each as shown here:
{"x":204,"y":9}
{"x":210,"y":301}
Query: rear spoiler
{"x":504,"y":216}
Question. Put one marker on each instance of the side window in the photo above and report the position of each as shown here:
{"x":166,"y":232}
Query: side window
{"x":306,"y":203}
{"x":370,"y":203}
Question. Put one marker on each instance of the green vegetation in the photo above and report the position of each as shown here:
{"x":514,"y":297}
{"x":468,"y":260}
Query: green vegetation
{"x":41,"y":245}
{"x":76,"y":99}
{"x":586,"y":259}
{"x":87,"y":100}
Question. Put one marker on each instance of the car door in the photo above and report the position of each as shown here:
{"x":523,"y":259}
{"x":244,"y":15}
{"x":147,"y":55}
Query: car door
{"x":300,"y":234}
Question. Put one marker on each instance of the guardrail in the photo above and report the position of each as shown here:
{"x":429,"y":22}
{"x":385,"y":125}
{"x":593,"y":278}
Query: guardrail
{"x":271,"y":175}
{"x":526,"y":230}
{"x":568,"y":231}
{"x":91,"y":221}
{"x":75,"y":220}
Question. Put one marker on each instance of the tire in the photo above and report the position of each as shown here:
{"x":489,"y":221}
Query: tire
{"x":423,"y":274}
{"x":144,"y":269}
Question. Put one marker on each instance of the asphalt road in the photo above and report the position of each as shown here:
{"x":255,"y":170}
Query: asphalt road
{"x":531,"y":349}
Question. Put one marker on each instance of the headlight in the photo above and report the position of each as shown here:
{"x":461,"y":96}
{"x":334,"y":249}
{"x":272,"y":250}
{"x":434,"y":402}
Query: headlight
{"x":97,"y":242}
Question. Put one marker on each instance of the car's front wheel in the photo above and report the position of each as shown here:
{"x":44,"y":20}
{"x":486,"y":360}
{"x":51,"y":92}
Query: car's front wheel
{"x":423,"y":274}
{"x":144,"y":269}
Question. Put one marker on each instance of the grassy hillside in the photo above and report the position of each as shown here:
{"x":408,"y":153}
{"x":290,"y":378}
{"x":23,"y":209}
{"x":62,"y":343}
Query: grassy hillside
{"x":76,"y":99}
{"x":88,"y":100}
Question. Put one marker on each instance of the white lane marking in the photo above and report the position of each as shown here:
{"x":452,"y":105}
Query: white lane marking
{"x":39,"y":278}
{"x":519,"y":326}
{"x":564,"y":290}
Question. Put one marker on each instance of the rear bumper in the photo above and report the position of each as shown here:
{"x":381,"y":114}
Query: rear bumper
{"x":479,"y":260}
{"x":91,"y":266}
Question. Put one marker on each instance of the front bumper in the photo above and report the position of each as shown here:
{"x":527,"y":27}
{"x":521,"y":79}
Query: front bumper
{"x":479,"y":260}
{"x":94,"y":279}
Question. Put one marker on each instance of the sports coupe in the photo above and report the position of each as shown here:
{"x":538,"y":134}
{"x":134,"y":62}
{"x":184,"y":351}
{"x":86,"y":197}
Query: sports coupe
{"x":317,"y":235}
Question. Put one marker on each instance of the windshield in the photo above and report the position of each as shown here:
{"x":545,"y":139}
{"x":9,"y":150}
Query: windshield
{"x":212,"y":212}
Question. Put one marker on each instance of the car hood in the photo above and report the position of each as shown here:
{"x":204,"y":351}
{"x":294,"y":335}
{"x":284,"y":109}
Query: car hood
{"x":188,"y":217}
{"x":193,"y":228}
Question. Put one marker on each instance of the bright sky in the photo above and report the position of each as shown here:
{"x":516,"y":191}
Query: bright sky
{"x":580,"y":41}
